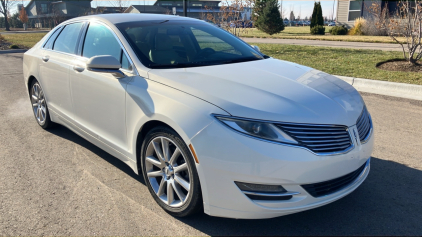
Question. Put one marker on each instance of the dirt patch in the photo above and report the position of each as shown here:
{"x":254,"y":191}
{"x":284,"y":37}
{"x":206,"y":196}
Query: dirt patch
{"x":399,"y":65}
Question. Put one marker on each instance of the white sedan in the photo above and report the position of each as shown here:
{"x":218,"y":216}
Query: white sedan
{"x":210,"y":122}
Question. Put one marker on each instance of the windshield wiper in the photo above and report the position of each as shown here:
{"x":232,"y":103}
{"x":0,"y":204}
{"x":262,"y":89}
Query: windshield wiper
{"x":177,"y":65}
{"x":240,"y":60}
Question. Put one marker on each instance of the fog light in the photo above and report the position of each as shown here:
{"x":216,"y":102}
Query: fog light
{"x":263,"y":188}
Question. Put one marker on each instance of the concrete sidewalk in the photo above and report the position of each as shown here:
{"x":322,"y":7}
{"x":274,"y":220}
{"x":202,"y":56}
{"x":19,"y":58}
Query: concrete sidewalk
{"x":324,"y":43}
{"x":23,"y":32}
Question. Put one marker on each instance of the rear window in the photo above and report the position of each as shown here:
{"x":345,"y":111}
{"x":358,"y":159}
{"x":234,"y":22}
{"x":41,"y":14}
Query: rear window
{"x":68,"y":38}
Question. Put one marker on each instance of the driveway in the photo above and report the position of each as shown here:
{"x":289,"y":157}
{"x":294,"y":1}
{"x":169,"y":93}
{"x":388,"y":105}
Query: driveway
{"x":56,"y":183}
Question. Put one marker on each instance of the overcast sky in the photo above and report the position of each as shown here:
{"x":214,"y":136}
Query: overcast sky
{"x":302,"y":7}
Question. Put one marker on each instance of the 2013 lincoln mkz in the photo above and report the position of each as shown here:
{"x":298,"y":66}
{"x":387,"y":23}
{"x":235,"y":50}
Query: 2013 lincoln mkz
{"x":210,"y":122}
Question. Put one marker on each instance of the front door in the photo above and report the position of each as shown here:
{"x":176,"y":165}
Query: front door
{"x":99,"y":98}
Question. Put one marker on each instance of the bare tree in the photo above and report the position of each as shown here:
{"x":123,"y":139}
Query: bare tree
{"x":5,"y":6}
{"x":405,"y":22}
{"x":229,"y":16}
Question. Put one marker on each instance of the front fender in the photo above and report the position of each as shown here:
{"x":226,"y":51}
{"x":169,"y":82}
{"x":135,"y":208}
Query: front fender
{"x":147,"y":100}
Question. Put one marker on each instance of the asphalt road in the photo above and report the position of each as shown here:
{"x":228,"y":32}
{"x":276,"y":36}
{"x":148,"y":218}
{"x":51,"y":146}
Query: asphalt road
{"x":56,"y":183}
{"x":326,"y":43}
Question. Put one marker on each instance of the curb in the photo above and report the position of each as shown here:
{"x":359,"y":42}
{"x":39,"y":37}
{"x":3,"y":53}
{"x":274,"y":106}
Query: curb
{"x":13,"y":51}
{"x":395,"y":89}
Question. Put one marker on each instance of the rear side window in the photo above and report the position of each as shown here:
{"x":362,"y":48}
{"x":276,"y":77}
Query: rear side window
{"x":68,"y":38}
{"x":100,"y":40}
{"x":50,"y":41}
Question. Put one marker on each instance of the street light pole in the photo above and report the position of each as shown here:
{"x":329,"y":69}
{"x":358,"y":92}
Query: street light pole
{"x":185,"y":8}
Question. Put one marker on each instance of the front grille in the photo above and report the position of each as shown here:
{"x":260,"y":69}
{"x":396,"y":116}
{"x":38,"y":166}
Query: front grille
{"x":364,"y":125}
{"x":319,"y":138}
{"x":334,"y":185}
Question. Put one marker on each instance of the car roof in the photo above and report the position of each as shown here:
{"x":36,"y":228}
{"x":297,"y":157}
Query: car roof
{"x":115,"y":18}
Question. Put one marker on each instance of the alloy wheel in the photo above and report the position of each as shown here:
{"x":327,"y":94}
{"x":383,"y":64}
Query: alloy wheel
{"x":39,"y":105}
{"x":168,"y":173}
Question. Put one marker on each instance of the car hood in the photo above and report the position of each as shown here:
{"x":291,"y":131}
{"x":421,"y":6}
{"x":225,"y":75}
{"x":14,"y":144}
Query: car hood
{"x":269,"y":89}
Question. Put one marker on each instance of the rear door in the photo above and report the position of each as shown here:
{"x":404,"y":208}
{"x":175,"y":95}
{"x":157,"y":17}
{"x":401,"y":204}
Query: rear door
{"x":57,"y":57}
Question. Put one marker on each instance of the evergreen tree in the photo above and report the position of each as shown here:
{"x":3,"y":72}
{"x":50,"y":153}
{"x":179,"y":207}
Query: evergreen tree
{"x":314,"y":15}
{"x":270,"y":20}
{"x":320,"y":19}
{"x":258,"y":9}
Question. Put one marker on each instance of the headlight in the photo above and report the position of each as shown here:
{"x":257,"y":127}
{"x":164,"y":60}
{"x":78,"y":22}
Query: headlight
{"x":257,"y":129}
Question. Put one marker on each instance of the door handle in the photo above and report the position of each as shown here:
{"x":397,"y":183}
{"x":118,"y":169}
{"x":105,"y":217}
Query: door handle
{"x":46,"y":58}
{"x":78,"y":68}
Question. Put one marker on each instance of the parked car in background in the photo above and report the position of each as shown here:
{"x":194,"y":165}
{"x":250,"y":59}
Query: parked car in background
{"x":212,"y":124}
{"x":332,"y":24}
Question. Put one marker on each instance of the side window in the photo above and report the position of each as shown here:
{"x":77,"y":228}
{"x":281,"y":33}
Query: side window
{"x":50,"y":41}
{"x":206,"y":40}
{"x":68,"y":38}
{"x":125,"y":63}
{"x":100,"y":41}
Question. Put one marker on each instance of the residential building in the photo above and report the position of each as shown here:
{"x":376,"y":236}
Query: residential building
{"x":349,"y":10}
{"x":195,"y":9}
{"x":50,"y":13}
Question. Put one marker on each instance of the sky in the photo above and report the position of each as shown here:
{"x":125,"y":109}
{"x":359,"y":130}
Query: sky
{"x":302,"y":7}
{"x":305,"y":7}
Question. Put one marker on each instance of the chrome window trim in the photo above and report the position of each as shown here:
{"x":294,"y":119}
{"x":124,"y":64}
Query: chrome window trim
{"x":347,"y":150}
{"x":134,"y":70}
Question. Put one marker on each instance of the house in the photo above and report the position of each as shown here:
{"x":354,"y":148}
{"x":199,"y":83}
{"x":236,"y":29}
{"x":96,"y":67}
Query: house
{"x":195,"y":9}
{"x":51,"y":13}
{"x":349,"y":10}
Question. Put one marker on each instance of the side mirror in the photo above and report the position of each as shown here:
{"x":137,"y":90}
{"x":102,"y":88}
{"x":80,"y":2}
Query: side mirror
{"x":105,"y":64}
{"x":256,"y":48}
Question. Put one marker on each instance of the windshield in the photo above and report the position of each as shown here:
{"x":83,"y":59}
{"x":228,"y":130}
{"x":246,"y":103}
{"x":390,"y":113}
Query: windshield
{"x":182,"y":43}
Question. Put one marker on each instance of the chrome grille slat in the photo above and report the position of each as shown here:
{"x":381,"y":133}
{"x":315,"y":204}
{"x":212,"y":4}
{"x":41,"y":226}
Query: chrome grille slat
{"x":308,"y":128}
{"x":326,"y":149}
{"x":319,"y":138}
{"x":329,"y":144}
{"x":364,"y":124}
{"x":318,"y":133}
{"x":322,"y":140}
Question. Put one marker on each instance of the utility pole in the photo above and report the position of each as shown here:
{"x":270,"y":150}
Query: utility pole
{"x":185,"y":8}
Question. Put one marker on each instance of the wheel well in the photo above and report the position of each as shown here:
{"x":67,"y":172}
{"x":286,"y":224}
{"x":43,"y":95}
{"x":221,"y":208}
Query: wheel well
{"x":30,"y":80}
{"x":141,"y":135}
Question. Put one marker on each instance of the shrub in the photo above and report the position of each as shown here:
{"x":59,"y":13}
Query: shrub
{"x":318,"y":30}
{"x":339,"y":30}
{"x":357,"y":28}
{"x":371,"y":27}
{"x":13,"y":46}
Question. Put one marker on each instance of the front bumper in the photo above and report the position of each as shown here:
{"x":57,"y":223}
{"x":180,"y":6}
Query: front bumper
{"x":226,"y":156}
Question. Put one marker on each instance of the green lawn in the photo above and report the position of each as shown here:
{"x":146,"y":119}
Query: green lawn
{"x":24,"y":40}
{"x":303,"y":33}
{"x":342,"y":62}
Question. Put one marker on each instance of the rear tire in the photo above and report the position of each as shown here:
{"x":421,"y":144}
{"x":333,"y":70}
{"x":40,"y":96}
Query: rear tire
{"x":39,"y":105}
{"x":170,"y":172}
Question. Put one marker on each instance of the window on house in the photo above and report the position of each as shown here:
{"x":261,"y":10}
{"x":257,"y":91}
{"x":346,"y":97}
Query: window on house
{"x":355,"y":9}
{"x":44,"y":8}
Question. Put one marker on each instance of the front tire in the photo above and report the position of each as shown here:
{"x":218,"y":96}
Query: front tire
{"x":39,"y":105}
{"x":170,"y":172}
